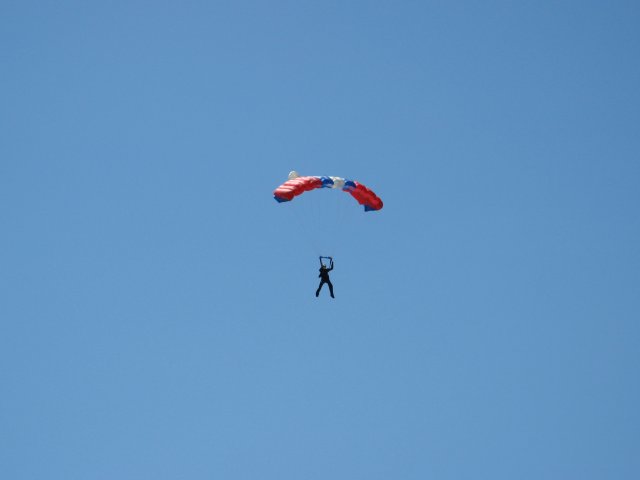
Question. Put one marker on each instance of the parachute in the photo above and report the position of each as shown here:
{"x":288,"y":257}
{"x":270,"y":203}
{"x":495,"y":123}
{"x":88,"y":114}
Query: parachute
{"x":296,"y":185}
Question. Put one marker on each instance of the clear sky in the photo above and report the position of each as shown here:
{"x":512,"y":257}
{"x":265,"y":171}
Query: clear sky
{"x":157,"y":308}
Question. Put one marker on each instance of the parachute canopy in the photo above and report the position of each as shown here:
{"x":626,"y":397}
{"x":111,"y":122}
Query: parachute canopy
{"x":297,"y":185}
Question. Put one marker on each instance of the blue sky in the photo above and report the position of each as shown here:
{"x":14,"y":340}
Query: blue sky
{"x":157,"y":308}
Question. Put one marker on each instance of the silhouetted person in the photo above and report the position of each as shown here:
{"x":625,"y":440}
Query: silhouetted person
{"x":324,"y":276}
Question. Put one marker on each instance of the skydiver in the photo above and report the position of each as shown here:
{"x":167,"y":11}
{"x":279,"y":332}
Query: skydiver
{"x":324,"y":276}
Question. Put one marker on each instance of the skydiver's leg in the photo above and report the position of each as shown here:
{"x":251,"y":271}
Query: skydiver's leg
{"x":330,"y":288}
{"x":319,"y":287}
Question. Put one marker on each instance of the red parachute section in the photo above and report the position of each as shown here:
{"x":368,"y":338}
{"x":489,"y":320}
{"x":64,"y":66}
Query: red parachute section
{"x":293,"y":188}
{"x":364,"y":196}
